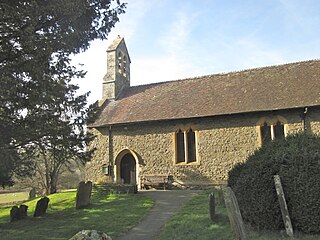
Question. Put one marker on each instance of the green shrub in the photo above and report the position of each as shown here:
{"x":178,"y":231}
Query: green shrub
{"x":296,"y":160}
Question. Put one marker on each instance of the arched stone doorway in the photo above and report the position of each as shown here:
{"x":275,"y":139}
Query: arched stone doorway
{"x":128,"y":169}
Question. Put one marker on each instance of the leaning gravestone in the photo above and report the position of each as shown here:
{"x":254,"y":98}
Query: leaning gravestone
{"x":32,"y":193}
{"x":41,"y":207}
{"x":90,"y":235}
{"x":234,"y":214}
{"x":283,"y":206}
{"x":83,"y":194}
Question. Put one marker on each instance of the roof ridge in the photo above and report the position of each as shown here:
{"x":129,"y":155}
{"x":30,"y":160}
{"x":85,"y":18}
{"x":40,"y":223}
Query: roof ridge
{"x":269,"y":66}
{"x":226,"y":73}
{"x":272,"y":88}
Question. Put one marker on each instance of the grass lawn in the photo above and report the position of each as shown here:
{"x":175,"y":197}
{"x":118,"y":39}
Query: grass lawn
{"x":13,"y":197}
{"x":193,"y":222}
{"x":112,"y":214}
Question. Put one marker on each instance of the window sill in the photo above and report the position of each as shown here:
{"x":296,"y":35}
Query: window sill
{"x":187,"y":164}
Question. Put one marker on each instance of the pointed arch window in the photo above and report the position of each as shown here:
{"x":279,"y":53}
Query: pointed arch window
{"x":272,"y":129}
{"x":265,"y":133}
{"x":191,"y":146}
{"x":278,"y":130}
{"x":186,"y":146}
{"x":180,"y":146}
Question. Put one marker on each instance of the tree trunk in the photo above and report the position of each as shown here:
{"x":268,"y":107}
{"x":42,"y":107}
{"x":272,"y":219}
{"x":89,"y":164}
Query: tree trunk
{"x":53,"y":183}
{"x":53,"y":188}
{"x":47,"y":185}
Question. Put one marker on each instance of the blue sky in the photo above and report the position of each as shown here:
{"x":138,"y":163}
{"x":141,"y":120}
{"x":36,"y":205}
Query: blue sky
{"x":176,"y":39}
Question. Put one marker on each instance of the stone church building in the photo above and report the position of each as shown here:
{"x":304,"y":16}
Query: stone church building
{"x":195,"y":130}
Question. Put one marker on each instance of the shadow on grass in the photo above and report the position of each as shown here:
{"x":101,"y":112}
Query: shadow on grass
{"x":220,"y":219}
{"x":112,"y":214}
{"x":193,"y":222}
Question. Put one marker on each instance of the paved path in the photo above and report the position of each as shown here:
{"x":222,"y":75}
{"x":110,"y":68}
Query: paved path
{"x":166,"y":204}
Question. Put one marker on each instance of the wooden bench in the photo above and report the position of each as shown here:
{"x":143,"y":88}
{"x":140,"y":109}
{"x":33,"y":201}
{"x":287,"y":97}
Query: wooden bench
{"x":157,"y":181}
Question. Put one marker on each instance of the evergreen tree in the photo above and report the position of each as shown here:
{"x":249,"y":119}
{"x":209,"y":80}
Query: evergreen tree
{"x":39,"y":108}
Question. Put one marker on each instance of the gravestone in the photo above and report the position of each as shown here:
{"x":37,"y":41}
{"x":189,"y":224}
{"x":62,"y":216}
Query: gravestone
{"x":41,"y":207}
{"x":14,"y":214}
{"x":23,"y":211}
{"x":234,"y":214}
{"x":212,"y":208}
{"x":220,"y":196}
{"x":283,"y":206}
{"x":83,"y":197}
{"x":32,"y":193}
{"x":17,"y":213}
{"x":90,"y":235}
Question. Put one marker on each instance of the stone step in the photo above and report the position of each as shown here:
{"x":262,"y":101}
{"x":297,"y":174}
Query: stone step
{"x":114,"y":188}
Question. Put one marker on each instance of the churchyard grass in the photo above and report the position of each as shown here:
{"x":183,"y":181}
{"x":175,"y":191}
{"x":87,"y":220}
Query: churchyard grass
{"x":112,"y":214}
{"x":193,"y":222}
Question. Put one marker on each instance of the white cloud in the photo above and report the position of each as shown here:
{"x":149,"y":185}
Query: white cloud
{"x":95,"y":58}
{"x":130,"y":21}
{"x":152,"y":70}
{"x":169,"y":62}
{"x":253,"y":53}
{"x":95,"y":63}
{"x":164,"y":47}
{"x":298,"y":15}
{"x":176,"y":36}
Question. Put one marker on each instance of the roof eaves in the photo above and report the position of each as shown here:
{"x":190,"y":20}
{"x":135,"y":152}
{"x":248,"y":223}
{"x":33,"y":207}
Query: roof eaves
{"x":195,"y":117}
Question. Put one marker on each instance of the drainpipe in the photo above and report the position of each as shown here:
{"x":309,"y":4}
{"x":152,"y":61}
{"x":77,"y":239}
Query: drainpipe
{"x":110,"y":164}
{"x":303,"y":117}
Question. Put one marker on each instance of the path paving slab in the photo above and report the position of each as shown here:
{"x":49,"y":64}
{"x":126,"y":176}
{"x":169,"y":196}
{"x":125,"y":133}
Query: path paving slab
{"x":166,"y":204}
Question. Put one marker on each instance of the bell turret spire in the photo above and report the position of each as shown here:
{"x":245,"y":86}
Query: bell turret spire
{"x":118,"y":70}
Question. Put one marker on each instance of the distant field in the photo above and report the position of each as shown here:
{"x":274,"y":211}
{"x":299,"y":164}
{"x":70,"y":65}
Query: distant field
{"x":13,"y":197}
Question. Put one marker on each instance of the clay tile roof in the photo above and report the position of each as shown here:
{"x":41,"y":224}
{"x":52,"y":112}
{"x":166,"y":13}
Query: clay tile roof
{"x":286,"y":86}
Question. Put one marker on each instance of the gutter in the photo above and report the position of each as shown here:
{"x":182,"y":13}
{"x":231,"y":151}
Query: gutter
{"x":303,"y":117}
{"x":298,"y":108}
